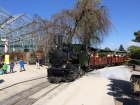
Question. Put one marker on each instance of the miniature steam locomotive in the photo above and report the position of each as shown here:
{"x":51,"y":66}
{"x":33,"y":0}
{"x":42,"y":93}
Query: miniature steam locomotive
{"x":70,"y":61}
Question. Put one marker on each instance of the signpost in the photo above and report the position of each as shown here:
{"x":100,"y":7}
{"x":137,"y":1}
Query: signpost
{"x":7,"y":58}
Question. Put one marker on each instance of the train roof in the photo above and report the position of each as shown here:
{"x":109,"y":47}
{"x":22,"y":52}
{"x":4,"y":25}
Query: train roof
{"x":102,"y":50}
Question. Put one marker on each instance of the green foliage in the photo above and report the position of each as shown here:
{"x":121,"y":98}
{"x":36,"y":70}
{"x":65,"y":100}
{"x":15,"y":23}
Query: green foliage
{"x":133,"y":48}
{"x":101,"y":54}
{"x":121,"y":48}
{"x":126,"y":62}
{"x":134,"y":52}
{"x":137,"y":36}
{"x":133,"y":61}
{"x":32,"y":58}
{"x":107,"y":48}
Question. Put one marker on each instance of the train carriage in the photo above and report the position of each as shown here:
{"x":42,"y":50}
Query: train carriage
{"x":106,"y":60}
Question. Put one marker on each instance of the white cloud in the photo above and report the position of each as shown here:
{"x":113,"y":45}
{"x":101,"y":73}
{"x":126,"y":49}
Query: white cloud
{"x":132,"y":43}
{"x":128,"y":44}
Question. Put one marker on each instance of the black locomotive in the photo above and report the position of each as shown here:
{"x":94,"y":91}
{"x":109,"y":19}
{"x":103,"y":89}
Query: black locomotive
{"x":64,"y":64}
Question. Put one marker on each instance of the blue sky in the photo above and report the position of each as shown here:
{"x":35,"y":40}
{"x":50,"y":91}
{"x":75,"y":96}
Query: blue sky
{"x":124,"y":14}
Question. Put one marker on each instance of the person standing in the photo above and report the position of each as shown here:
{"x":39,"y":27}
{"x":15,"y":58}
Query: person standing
{"x":22,"y":65}
{"x":1,"y":71}
{"x":37,"y":62}
{"x":12,"y":67}
{"x":4,"y":68}
{"x":40,"y":62}
{"x":1,"y":64}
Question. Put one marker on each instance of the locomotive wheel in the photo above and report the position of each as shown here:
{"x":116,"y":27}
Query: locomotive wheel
{"x":50,"y":80}
{"x":74,"y":75}
{"x":54,"y":80}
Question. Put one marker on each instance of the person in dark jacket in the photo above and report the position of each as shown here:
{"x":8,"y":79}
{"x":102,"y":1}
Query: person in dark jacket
{"x":1,"y":64}
{"x":37,"y":62}
{"x":40,"y":62}
{"x":22,"y":65}
{"x":12,"y":67}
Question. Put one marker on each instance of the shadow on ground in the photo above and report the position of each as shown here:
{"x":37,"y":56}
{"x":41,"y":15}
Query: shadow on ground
{"x":137,"y":70}
{"x":121,"y":90}
{"x":1,"y":80}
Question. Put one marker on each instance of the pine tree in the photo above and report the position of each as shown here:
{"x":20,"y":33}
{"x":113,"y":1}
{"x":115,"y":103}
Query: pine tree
{"x":121,"y":48}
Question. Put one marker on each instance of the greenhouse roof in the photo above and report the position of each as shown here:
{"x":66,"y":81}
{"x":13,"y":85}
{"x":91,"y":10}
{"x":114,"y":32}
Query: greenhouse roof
{"x":10,"y":22}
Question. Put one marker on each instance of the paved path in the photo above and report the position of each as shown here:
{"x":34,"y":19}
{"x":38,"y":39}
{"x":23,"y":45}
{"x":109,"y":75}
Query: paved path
{"x":16,"y":77}
{"x":14,"y":83}
{"x":84,"y":91}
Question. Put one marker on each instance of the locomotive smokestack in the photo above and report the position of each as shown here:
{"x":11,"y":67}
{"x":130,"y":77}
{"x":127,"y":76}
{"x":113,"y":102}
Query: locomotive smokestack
{"x":60,"y":41}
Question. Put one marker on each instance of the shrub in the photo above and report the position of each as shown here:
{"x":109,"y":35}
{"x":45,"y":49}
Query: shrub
{"x":133,"y":61}
{"x":32,"y":58}
{"x":126,"y":62}
{"x":31,"y":61}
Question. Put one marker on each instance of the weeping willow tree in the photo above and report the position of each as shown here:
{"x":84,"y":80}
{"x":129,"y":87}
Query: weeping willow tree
{"x":88,"y":20}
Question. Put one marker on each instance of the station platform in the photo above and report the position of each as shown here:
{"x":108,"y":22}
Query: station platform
{"x":14,"y":83}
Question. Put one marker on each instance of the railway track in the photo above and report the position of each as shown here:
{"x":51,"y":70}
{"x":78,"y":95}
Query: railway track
{"x":22,"y":83}
{"x":32,"y":98}
{"x":33,"y":94}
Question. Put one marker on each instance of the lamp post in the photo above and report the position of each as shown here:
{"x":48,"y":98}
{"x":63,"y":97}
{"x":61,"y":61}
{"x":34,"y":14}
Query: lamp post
{"x":22,"y":46}
{"x":19,"y":45}
{"x":13,"y":47}
{"x":6,"y":46}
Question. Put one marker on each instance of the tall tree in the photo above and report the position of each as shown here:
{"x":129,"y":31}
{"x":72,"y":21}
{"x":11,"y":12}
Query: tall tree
{"x":133,"y":48}
{"x":107,"y":48}
{"x":88,"y":20}
{"x":137,"y":36}
{"x":134,"y":52}
{"x":121,"y":48}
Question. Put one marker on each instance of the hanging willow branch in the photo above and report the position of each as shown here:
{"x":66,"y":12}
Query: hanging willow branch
{"x":88,"y":20}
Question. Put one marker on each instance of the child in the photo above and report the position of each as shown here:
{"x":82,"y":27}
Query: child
{"x":22,"y":65}
{"x":12,"y":66}
{"x":4,"y":68}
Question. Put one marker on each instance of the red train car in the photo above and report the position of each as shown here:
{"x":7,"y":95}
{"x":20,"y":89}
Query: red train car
{"x":96,"y":61}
